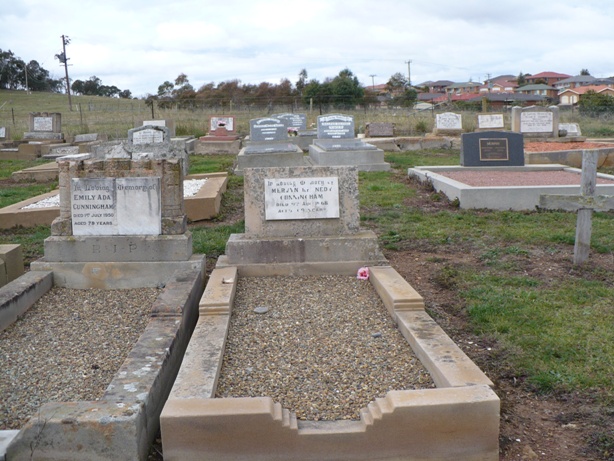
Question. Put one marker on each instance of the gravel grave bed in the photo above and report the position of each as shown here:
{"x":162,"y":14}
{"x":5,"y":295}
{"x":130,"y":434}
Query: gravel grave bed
{"x":502,"y":178}
{"x":68,"y":347}
{"x":325,"y":347}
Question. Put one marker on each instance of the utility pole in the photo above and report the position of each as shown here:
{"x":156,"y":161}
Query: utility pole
{"x":25,"y":70}
{"x":373,"y":80}
{"x":64,"y":60}
{"x":408,"y":62}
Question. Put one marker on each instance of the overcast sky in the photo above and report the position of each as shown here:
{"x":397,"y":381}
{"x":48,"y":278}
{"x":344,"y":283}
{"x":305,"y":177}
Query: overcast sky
{"x":139,"y":44}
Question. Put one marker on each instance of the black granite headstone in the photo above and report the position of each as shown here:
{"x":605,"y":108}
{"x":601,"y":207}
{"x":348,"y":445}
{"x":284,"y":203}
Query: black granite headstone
{"x":492,"y":148}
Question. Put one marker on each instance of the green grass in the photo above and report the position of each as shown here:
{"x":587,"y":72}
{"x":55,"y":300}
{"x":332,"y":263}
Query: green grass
{"x":430,"y":157}
{"x":212,"y":240}
{"x":560,"y":335}
{"x":211,"y":163}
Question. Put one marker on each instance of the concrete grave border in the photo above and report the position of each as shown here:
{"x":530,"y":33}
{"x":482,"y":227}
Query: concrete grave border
{"x":503,"y":197}
{"x":122,"y":425}
{"x":459,"y":420}
{"x":204,"y":205}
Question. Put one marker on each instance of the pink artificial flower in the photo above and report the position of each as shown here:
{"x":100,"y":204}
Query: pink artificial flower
{"x":363,"y":273}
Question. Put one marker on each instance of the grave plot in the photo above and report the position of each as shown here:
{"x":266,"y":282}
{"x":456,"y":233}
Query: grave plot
{"x":493,"y":175}
{"x":134,"y":236}
{"x":453,"y":417}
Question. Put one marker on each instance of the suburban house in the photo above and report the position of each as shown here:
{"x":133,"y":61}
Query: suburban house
{"x":540,"y":89}
{"x":463,"y":88}
{"x":571,"y":96}
{"x":550,"y":78}
{"x":501,"y":101}
{"x":574,"y":82}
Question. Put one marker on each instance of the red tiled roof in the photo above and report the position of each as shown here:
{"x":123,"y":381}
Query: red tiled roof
{"x":584,"y":89}
{"x":549,"y":75}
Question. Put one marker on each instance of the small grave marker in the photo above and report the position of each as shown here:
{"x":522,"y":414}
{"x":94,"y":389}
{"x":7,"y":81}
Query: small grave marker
{"x":584,"y":204}
{"x":448,"y":123}
{"x":490,"y":122}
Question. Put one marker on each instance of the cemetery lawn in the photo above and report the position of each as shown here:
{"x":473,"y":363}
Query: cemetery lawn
{"x":502,"y":285}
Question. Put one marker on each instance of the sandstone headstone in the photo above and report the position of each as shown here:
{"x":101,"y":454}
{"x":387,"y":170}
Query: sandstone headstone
{"x":299,"y":215}
{"x":122,"y":223}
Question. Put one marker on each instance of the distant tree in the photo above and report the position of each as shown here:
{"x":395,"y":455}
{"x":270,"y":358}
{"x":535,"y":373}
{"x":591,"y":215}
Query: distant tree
{"x":125,"y":94}
{"x":396,"y":83}
{"x":12,"y":75}
{"x":302,"y":81}
{"x":585,"y":72}
{"x":406,"y":99}
{"x":595,"y":104}
{"x":347,"y":92}
{"x":522,"y":79}
{"x":165,"y":90}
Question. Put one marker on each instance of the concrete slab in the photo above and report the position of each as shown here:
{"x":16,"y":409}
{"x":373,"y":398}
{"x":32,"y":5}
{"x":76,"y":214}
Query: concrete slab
{"x":6,"y":437}
{"x":499,"y":198}
{"x":459,"y":420}
{"x":208,"y":200}
{"x":40,"y":173}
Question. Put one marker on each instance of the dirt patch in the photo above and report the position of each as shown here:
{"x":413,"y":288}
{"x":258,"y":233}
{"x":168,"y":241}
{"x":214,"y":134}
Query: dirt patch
{"x":557,"y":146}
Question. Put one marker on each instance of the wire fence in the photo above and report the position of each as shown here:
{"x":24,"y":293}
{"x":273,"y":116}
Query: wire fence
{"x":116,"y":117}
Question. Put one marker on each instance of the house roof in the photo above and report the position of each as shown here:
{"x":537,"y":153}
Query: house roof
{"x":518,"y":97}
{"x":584,"y":89}
{"x":537,"y":86}
{"x":577,"y":79}
{"x":463,"y":85}
{"x":548,"y":75}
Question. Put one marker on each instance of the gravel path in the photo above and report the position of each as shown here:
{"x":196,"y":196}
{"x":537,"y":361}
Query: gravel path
{"x":68,"y":347}
{"x":325,"y":348}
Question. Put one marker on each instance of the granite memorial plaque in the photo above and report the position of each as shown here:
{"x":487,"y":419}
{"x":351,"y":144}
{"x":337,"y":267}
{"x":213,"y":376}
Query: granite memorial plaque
{"x":301,"y":198}
{"x":336,"y":126}
{"x":2,"y":132}
{"x":492,"y":148}
{"x":122,"y":206}
{"x":267,"y":129}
